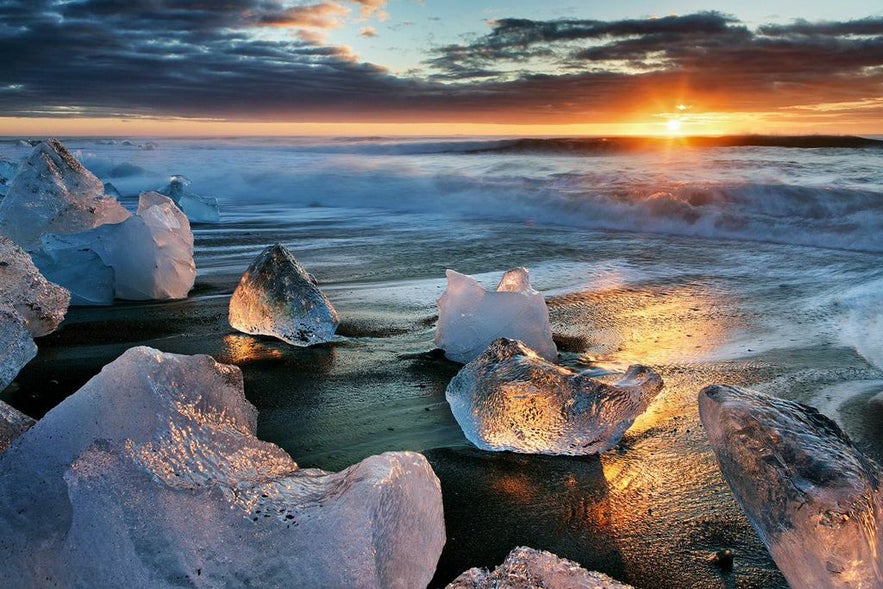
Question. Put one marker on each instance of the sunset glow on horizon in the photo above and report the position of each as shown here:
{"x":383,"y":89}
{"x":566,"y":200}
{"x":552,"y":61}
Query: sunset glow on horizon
{"x":378,"y":67}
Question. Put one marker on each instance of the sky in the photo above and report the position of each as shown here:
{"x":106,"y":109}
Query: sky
{"x":444,"y":67}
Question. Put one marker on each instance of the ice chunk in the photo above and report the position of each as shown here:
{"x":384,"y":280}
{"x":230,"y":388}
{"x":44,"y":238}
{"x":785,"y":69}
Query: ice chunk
{"x":7,"y":172}
{"x":511,"y":399}
{"x":150,"y":256}
{"x":470,"y":318}
{"x":810,"y":495}
{"x":53,"y":193}
{"x":199,"y":209}
{"x":111,"y":190}
{"x":276,"y":296}
{"x":17,"y":347}
{"x":40,"y":303}
{"x":13,"y":423}
{"x":150,"y":476}
{"x":527,"y":568}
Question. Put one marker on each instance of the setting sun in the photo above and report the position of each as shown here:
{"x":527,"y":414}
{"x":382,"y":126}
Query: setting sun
{"x":673,"y":125}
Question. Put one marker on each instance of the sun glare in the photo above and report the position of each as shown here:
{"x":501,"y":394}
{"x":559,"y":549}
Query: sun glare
{"x":673,"y":126}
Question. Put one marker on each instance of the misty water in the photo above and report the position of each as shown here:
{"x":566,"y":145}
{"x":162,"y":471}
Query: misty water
{"x":756,"y":266}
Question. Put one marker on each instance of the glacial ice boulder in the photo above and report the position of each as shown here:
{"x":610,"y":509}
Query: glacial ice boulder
{"x":810,"y":495}
{"x":198,"y":208}
{"x":13,"y":423}
{"x":277,"y":296}
{"x":150,"y":476}
{"x":17,"y":347}
{"x":53,"y":193}
{"x":41,"y":304}
{"x":509,"y":398}
{"x":470,"y":318}
{"x":527,"y":568}
{"x":146,"y":257}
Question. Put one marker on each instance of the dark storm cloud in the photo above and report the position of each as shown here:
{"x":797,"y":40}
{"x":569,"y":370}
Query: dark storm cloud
{"x":202,"y":58}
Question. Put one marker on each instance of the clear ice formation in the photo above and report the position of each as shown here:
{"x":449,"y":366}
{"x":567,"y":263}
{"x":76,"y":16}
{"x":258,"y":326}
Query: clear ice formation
{"x":17,"y":347}
{"x":150,"y":476}
{"x":810,"y":495}
{"x":13,"y":423}
{"x":53,"y":193}
{"x":470,"y":318}
{"x":527,"y":568}
{"x":511,"y":399}
{"x":278,"y":297}
{"x":199,"y":209}
{"x":146,"y":257}
{"x":41,"y":304}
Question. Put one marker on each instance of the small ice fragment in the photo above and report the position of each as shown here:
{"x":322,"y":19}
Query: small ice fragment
{"x":41,"y":304}
{"x":527,"y":568}
{"x":17,"y":347}
{"x":199,"y":209}
{"x":13,"y":422}
{"x":470,"y":318}
{"x":150,"y":255}
{"x":511,"y":399}
{"x":53,"y":193}
{"x":277,"y":297}
{"x":111,"y":190}
{"x":151,"y":476}
{"x":810,"y":495}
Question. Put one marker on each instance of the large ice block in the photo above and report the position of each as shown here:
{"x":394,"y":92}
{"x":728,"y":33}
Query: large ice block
{"x":53,"y":193}
{"x":470,"y":318}
{"x":13,"y":423}
{"x":17,"y":347}
{"x":41,"y":304}
{"x":198,"y":208}
{"x":277,"y":296}
{"x":527,"y":568}
{"x":509,"y":398}
{"x":150,"y":476}
{"x":810,"y":495}
{"x":148,"y":256}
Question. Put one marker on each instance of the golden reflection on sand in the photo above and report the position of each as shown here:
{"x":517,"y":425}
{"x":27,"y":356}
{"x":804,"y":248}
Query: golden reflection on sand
{"x":241,"y":349}
{"x":651,"y":324}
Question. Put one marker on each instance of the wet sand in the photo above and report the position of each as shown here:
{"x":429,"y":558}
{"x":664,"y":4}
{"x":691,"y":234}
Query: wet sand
{"x":651,"y":512}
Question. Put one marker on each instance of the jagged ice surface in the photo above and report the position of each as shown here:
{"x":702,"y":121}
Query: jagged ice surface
{"x":509,"y":398}
{"x":41,"y":304}
{"x":150,"y":476}
{"x":17,"y":347}
{"x":528,"y":568}
{"x":470,"y":318}
{"x":53,"y":193}
{"x":198,"y":208}
{"x":277,"y":296}
{"x":148,"y":256}
{"x":13,"y":423}
{"x":810,"y":495}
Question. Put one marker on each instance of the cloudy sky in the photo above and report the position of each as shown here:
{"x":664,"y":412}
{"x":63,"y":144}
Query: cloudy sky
{"x":353,"y":66}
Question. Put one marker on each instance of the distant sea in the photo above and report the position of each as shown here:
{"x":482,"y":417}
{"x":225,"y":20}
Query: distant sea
{"x":753,"y":261}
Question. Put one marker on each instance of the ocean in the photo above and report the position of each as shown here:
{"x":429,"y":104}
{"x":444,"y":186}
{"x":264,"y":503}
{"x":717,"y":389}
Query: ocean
{"x":752,"y":262}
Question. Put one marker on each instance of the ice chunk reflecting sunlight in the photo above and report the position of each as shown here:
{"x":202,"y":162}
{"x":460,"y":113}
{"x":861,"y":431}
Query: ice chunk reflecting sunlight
{"x":527,"y":568}
{"x":470,"y":318}
{"x":277,"y":296}
{"x":810,"y":495}
{"x":151,"y":476}
{"x":511,"y":399}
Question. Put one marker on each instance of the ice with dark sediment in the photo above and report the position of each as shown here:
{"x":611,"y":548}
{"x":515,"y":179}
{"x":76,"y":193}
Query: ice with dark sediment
{"x":470,"y":318}
{"x":17,"y":347}
{"x":41,"y":304}
{"x":13,"y":423}
{"x":198,"y":208}
{"x":509,"y":398}
{"x":528,"y":568}
{"x":811,"y":496}
{"x":151,"y":476}
{"x":52,"y":192}
{"x":149,"y":256}
{"x":278,"y":297}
